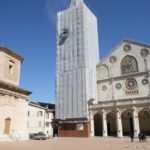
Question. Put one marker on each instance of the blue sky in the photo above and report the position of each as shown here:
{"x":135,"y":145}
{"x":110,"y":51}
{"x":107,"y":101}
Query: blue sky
{"x":28,"y":27}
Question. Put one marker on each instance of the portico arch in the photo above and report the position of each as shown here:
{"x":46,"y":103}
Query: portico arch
{"x":127,"y":122}
{"x":144,"y":121}
{"x":111,"y":124}
{"x":98,"y":125}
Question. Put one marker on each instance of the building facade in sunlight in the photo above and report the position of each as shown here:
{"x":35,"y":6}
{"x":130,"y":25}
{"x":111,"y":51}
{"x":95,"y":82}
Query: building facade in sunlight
{"x":123,"y":83}
{"x":40,"y":118}
{"x":13,"y":99}
{"x":110,"y":97}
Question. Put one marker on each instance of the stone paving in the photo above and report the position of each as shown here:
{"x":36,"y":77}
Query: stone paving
{"x":77,"y":144}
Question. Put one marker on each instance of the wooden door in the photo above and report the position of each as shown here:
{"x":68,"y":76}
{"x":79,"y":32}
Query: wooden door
{"x":7,"y":126}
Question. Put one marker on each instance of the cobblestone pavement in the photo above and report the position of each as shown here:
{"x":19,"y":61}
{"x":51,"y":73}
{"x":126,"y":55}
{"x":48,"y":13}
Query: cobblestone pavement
{"x":77,"y":144}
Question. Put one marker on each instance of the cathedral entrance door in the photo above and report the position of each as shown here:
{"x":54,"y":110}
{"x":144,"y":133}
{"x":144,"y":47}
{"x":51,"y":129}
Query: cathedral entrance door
{"x":7,"y":126}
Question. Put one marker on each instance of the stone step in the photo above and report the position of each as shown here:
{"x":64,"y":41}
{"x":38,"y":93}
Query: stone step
{"x":5,"y":137}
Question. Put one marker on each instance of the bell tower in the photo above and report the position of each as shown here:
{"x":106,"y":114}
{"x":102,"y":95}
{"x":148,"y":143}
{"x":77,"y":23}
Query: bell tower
{"x":75,"y":2}
{"x":77,"y":56}
{"x":10,"y":65}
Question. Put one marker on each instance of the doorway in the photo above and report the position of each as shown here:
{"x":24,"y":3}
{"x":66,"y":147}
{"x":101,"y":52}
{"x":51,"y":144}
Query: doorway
{"x":7,"y":126}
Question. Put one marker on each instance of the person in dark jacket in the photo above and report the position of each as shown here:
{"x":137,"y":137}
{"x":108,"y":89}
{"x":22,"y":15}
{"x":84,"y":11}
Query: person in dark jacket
{"x":132,"y":137}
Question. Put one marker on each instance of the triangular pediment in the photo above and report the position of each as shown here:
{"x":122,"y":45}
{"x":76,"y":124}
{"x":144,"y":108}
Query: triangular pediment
{"x":125,"y":44}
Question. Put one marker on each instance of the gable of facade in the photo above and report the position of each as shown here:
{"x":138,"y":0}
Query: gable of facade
{"x":123,"y":84}
{"x":124,"y":72}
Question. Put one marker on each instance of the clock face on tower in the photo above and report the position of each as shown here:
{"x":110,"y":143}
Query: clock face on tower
{"x":63,"y":36}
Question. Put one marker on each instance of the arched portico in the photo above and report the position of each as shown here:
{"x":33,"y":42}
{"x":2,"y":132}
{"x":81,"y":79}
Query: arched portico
{"x":144,"y":121}
{"x":120,"y":122}
{"x":111,"y":124}
{"x":98,"y":125}
{"x":127,"y":122}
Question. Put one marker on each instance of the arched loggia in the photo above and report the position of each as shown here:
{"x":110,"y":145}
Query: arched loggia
{"x":98,"y":125}
{"x":144,"y":121}
{"x":111,"y":124}
{"x":127,"y":123}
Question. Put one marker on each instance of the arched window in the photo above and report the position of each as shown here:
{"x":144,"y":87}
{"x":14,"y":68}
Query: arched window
{"x":39,"y":113}
{"x":128,"y":65}
{"x":102,"y":72}
{"x":47,"y":115}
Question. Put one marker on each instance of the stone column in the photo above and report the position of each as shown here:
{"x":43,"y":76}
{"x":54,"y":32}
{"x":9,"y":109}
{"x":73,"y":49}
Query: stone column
{"x":104,"y":124}
{"x":92,"y":124}
{"x":136,"y":122}
{"x":119,"y":124}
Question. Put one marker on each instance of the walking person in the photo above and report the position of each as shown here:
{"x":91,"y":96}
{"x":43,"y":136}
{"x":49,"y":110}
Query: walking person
{"x":140,"y":137}
{"x":144,"y":139}
{"x":132,"y":136}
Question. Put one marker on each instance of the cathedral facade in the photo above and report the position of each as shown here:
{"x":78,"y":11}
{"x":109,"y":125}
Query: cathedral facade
{"x":123,"y":87}
{"x":106,"y":98}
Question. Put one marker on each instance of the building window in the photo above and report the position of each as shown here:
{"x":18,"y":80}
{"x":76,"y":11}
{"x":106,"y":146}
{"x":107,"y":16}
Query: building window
{"x":47,"y":115}
{"x":118,"y":86}
{"x":144,"y":52}
{"x":131,"y":84}
{"x":129,"y":65}
{"x":127,"y":47}
{"x":39,"y":113}
{"x":79,"y":126}
{"x":11,"y":67}
{"x":40,"y":124}
{"x":47,"y":124}
{"x":104,"y":88}
{"x":28,"y":113}
{"x":145,"y":81}
{"x":102,"y":72}
{"x":112,"y":59}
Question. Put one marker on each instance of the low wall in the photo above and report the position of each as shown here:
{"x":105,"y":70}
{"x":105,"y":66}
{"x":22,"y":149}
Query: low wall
{"x":69,"y":130}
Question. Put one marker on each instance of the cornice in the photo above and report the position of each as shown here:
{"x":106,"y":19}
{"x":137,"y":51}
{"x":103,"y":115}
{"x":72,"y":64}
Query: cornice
{"x":136,"y":74}
{"x":34,"y":104}
{"x":11,"y":53}
{"x":121,"y":103}
{"x":13,"y":88}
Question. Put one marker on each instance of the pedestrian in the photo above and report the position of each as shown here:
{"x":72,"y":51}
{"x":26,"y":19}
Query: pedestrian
{"x":140,"y":137}
{"x":144,"y":139}
{"x":132,"y":136}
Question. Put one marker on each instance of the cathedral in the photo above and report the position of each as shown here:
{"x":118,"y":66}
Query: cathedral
{"x":108,"y":97}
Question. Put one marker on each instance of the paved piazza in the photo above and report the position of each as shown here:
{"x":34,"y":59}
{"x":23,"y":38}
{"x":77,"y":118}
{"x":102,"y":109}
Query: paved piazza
{"x":77,"y":144}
